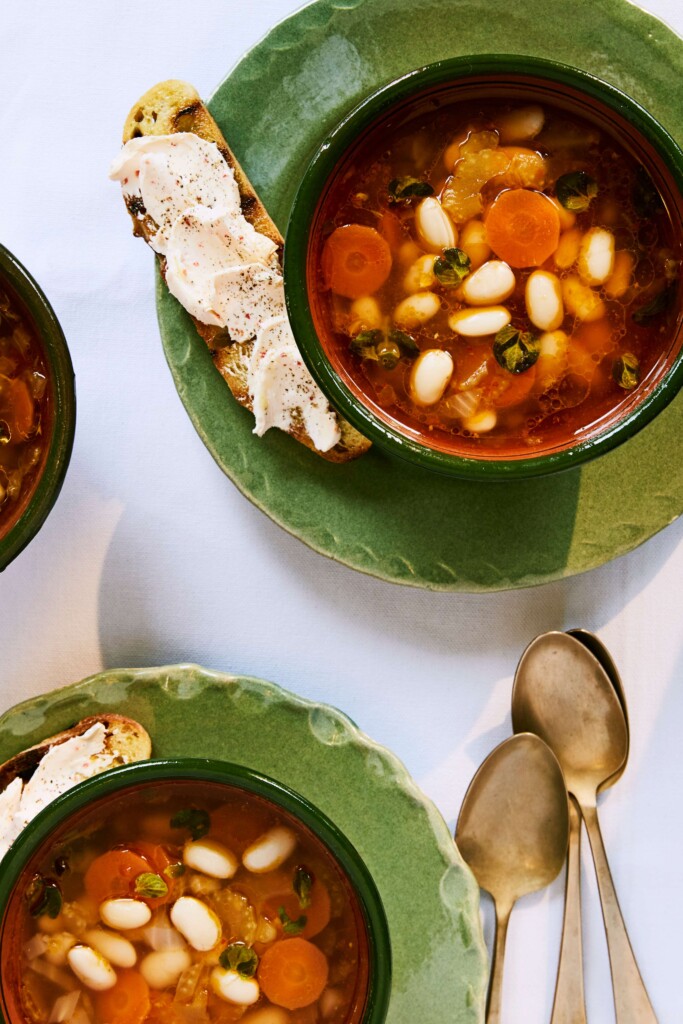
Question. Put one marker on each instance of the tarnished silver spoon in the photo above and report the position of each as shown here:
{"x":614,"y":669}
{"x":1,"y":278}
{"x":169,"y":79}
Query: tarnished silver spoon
{"x":564,"y":695}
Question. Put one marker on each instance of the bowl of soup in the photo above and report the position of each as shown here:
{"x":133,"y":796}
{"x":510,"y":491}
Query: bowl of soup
{"x":189,"y":892}
{"x":483,"y":267}
{"x":37,"y":407}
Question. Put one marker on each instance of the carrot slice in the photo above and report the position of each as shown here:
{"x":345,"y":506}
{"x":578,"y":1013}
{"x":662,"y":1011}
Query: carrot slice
{"x":506,"y":389}
{"x":293,"y":973}
{"x":112,"y":875}
{"x":356,"y":261}
{"x":238,"y":826}
{"x":127,"y":1002}
{"x":317,"y":913}
{"x":523,"y":227}
{"x":390,"y":229}
{"x":16,"y":407}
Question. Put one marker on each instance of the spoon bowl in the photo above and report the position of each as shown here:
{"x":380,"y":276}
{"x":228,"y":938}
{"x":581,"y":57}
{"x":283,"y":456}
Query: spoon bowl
{"x":563,"y":694}
{"x":574,"y":700}
{"x":513,"y":831}
{"x":596,"y":647}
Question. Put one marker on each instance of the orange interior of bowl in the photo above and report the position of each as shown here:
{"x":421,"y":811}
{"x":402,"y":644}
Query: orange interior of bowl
{"x":429,"y":430}
{"x":133,"y":819}
{"x":32,"y":359}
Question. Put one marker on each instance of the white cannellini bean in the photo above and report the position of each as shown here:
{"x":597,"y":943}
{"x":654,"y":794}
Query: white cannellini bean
{"x":125,"y":914}
{"x":491,"y":283}
{"x":580,"y":300}
{"x":430,"y":375}
{"x":481,"y":422}
{"x":163,"y":967}
{"x":211,"y":858}
{"x":473,"y":242}
{"x":331,"y":1001}
{"x":366,"y":314}
{"x":596,"y":256}
{"x":270,"y":850}
{"x":521,"y":124}
{"x":58,"y":947}
{"x":620,"y":279}
{"x":434,"y":226}
{"x":420,"y":274}
{"x":196,"y":922}
{"x":567,"y":217}
{"x":567,"y":252}
{"x":476,"y":323}
{"x":91,"y":968}
{"x":118,"y":951}
{"x":417,"y":309}
{"x":543,"y":295}
{"x":552,"y":357}
{"x":232,"y":987}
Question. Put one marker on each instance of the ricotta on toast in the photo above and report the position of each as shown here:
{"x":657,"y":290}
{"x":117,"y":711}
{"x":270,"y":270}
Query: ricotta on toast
{"x":220,"y":255}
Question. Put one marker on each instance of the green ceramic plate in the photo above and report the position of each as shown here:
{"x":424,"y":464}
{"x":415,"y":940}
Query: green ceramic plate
{"x":430,"y":898}
{"x":379,"y":515}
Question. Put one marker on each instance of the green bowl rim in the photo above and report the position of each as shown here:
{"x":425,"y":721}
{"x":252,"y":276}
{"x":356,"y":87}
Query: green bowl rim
{"x":55,"y":349}
{"x":226,"y":773}
{"x":315,"y":177}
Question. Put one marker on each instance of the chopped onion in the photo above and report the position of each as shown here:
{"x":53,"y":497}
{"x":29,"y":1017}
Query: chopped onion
{"x":161,"y":935}
{"x":191,"y":1014}
{"x":80,"y":1017}
{"x":54,"y":974}
{"x":63,"y":1008}
{"x":35,"y":946}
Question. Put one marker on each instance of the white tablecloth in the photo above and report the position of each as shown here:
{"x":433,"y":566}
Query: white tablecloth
{"x":151,"y":556}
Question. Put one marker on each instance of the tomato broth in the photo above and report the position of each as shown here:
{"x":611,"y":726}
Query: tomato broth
{"x":24,"y":408}
{"x":496,"y":274}
{"x":184,"y":904}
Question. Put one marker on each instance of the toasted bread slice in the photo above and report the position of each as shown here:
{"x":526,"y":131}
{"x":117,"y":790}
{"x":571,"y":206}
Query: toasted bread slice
{"x":175,"y":106}
{"x":125,"y":739}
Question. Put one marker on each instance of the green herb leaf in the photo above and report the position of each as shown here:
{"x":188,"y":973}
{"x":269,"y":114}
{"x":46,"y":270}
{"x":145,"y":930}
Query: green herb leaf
{"x":150,"y":886}
{"x":576,"y":191}
{"x":303,"y":883}
{"x":404,"y":189}
{"x":451,"y":268}
{"x":661,"y":302}
{"x":174,"y":870}
{"x":626,"y":371}
{"x":240,"y":958}
{"x":44,"y":897}
{"x":407,"y":345}
{"x":515,"y":350}
{"x":289,"y":926}
{"x":365,"y":344}
{"x":196,"y":821}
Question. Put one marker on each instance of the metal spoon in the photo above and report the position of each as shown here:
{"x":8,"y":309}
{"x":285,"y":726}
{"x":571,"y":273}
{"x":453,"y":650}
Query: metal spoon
{"x":512,"y":831}
{"x":562,"y":693}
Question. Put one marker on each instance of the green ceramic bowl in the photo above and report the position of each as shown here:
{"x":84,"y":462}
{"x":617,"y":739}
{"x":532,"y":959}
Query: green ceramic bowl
{"x":62,"y":405}
{"x":57,"y":815}
{"x":528,"y":78}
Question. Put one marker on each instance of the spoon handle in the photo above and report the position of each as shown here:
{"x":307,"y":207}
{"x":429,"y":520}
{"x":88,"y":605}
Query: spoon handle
{"x":631,"y":1002}
{"x":494,"y":1002}
{"x":569,"y":1006}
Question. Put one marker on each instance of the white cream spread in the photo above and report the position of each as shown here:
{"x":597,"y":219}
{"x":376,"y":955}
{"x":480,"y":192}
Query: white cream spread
{"x":61,"y":767}
{"x":224,"y":272}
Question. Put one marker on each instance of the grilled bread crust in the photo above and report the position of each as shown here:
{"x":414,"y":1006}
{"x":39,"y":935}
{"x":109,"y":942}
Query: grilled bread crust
{"x":175,"y":106}
{"x":123,"y":736}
